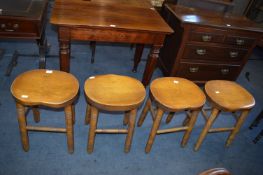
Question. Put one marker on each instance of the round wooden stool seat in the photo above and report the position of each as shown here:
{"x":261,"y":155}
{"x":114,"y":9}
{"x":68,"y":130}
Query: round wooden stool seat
{"x":45,"y":87}
{"x":176,"y":93}
{"x":229,"y":95}
{"x":114,"y":92}
{"x":49,"y":88}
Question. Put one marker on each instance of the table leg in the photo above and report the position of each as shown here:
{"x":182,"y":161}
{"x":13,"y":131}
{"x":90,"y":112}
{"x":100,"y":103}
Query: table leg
{"x":64,"y":48}
{"x":137,"y":56}
{"x":151,"y":64}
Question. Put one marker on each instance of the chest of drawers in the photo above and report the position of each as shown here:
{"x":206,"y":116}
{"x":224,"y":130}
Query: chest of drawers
{"x":206,"y":45}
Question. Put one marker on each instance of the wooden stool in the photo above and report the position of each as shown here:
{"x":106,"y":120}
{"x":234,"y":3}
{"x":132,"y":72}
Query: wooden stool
{"x":225,"y":96}
{"x":173,"y":94}
{"x":49,"y":88}
{"x":112,"y":93}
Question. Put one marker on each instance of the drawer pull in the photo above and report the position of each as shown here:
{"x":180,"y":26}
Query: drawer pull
{"x":233,"y":54}
{"x":15,"y":26}
{"x":201,"y":51}
{"x":224,"y":71}
{"x":206,"y":38}
{"x":240,"y":42}
{"x":193,"y":69}
{"x":3,"y":26}
{"x":9,"y":30}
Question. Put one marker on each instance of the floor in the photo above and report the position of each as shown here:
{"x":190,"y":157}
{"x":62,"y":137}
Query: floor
{"x":48,"y":151}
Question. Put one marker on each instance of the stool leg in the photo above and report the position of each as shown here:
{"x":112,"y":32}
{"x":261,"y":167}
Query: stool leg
{"x":144,"y":112}
{"x":169,"y":117}
{"x":36,"y":114}
{"x":132,"y":120}
{"x":92,"y":129}
{"x":239,"y":123}
{"x":69,"y":128}
{"x":88,"y":113}
{"x":126,"y":118}
{"x":258,"y":137}
{"x":209,"y":122}
{"x":22,"y":126}
{"x":73,"y":113}
{"x":155,"y":127}
{"x":191,"y":124}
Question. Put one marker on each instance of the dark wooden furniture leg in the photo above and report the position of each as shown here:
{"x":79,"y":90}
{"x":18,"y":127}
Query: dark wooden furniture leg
{"x":151,"y":64}
{"x":64,"y":48}
{"x":137,"y":56}
{"x":12,"y":63}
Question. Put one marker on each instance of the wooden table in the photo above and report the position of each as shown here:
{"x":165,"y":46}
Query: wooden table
{"x":125,"y":21}
{"x":24,"y":20}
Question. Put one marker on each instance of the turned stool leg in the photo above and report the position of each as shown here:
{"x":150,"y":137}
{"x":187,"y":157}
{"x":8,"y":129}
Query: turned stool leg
{"x":132,"y":120}
{"x":155,"y":127}
{"x":22,"y":126}
{"x":209,"y":122}
{"x":126,"y":117}
{"x":73,"y":113}
{"x":144,"y":112}
{"x":88,"y":114}
{"x":191,"y":124}
{"x":69,"y":128}
{"x":169,"y":117}
{"x":36,"y":114}
{"x":92,"y":129}
{"x":237,"y":127}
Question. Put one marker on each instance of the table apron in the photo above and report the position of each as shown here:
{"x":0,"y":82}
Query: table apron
{"x":117,"y":36}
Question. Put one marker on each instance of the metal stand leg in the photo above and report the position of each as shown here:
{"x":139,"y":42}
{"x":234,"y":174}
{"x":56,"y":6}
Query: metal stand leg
{"x":12,"y":63}
{"x":93,"y":49}
{"x":2,"y":52}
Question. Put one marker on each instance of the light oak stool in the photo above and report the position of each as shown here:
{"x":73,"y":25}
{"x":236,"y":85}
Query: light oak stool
{"x":112,"y":93}
{"x":172,"y":94}
{"x":225,"y":96}
{"x":48,"y":88}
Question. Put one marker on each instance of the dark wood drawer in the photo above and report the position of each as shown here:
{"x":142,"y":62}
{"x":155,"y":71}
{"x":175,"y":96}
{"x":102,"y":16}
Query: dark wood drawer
{"x":215,"y":53}
{"x":240,"y":41}
{"x":210,"y":35}
{"x":10,"y":27}
{"x":205,"y":72}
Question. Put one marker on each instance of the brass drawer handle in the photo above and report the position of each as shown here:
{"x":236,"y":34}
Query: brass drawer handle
{"x":15,"y":26}
{"x":3,"y":26}
{"x":9,"y":30}
{"x":224,"y":71}
{"x":193,"y":69}
{"x":233,"y":54}
{"x":206,"y":38}
{"x":240,"y":42}
{"x":201,"y":51}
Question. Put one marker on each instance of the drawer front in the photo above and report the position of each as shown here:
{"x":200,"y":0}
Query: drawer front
{"x":213,"y":53}
{"x":205,"y":72}
{"x":210,"y":35}
{"x":10,"y":27}
{"x":240,"y":41}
